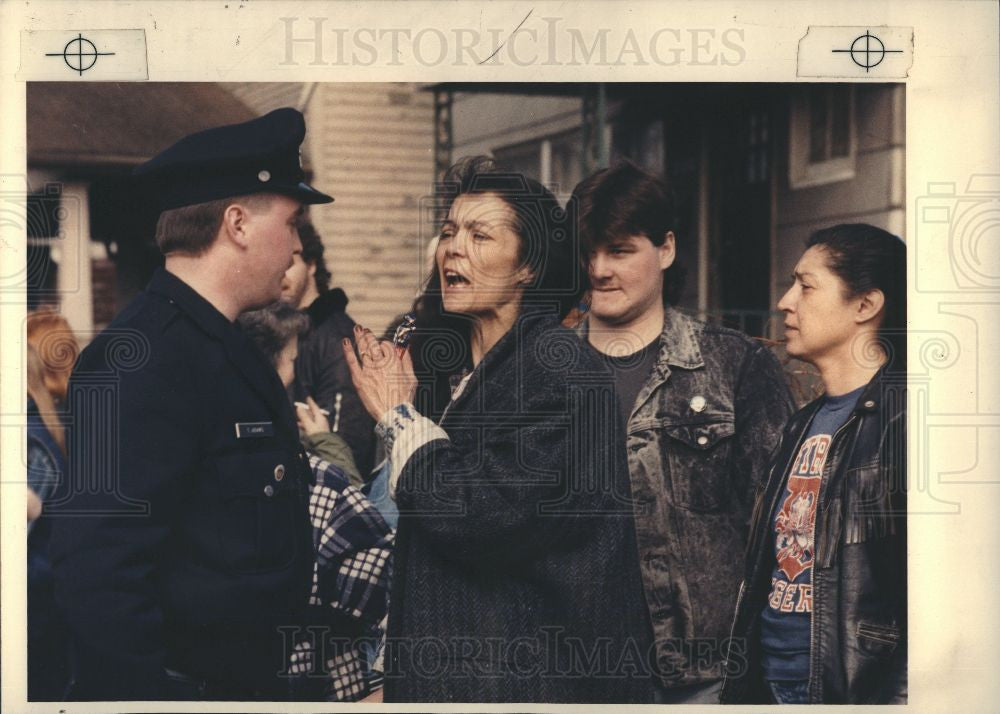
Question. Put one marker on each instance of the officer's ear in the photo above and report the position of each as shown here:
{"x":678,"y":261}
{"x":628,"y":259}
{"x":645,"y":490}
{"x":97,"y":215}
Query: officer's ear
{"x":234,"y":224}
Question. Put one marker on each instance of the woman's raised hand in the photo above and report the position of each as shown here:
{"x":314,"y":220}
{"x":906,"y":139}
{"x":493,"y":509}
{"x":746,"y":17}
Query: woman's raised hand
{"x":383,"y":377}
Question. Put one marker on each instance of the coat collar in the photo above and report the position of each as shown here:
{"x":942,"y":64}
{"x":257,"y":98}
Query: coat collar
{"x":884,"y":385}
{"x":678,"y":341}
{"x":526,"y":328}
{"x":330,"y":302}
{"x":872,"y":398}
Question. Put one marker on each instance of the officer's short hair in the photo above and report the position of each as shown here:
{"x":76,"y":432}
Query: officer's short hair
{"x":191,"y":230}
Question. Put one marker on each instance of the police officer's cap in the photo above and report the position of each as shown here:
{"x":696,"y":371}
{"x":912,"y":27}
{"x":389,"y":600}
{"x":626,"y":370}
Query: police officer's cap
{"x":258,"y":156}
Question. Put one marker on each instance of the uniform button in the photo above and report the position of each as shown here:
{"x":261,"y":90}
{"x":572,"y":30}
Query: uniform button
{"x":269,"y":490}
{"x":869,"y":404}
{"x":702,"y":440}
{"x":279,"y":472}
{"x":698,"y":403}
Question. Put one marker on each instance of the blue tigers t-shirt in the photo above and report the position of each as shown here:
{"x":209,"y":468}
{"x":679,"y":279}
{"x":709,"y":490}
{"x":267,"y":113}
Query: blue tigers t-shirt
{"x":785,"y":620}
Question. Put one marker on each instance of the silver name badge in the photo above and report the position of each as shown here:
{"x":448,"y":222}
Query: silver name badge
{"x":254,"y":429}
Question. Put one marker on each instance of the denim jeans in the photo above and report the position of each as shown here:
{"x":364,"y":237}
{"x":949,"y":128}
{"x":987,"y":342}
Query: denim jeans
{"x":704,"y":693}
{"x":793,"y":692}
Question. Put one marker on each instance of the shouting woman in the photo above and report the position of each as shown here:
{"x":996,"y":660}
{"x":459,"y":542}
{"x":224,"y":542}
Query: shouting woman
{"x":516,"y":573}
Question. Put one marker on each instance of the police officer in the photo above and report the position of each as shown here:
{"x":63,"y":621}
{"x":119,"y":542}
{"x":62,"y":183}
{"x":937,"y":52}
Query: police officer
{"x":182,"y":550}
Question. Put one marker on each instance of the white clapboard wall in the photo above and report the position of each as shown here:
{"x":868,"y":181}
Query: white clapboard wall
{"x":371,"y":146}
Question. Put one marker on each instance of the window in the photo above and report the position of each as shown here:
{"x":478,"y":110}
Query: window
{"x":555,"y":161}
{"x":821,"y":141}
{"x":44,"y":224}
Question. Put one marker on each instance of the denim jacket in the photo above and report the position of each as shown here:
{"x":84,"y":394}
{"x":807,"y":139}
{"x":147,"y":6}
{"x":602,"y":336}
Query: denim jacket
{"x":698,"y":441}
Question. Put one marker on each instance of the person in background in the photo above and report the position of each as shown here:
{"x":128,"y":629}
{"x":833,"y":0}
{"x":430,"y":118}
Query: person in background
{"x":516,"y":544}
{"x":46,"y":441}
{"x":704,"y":405}
{"x":49,"y":651}
{"x":277,"y":330}
{"x":822,"y":612}
{"x":353,"y":542}
{"x":50,"y":336}
{"x":320,"y":370}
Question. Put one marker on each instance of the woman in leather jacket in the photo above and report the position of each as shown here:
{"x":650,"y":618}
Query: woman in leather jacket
{"x":821,"y":616}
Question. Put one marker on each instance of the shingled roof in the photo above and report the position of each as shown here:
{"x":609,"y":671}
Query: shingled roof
{"x":105,"y":123}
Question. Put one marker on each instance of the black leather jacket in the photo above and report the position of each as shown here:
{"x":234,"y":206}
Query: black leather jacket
{"x":858,"y":650}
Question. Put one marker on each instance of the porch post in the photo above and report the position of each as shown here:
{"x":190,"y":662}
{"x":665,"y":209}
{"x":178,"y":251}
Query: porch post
{"x":443,"y":140}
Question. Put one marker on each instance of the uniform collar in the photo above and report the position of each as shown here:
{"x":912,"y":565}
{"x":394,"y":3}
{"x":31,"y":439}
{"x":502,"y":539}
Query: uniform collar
{"x":242,"y":352}
{"x":188,"y":299}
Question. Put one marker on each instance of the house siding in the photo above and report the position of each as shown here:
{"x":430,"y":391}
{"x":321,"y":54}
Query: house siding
{"x":875,"y":195}
{"x":371,"y":146}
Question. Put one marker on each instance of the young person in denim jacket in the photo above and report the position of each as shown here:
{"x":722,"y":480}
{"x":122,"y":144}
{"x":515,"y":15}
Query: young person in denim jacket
{"x":704,"y":406}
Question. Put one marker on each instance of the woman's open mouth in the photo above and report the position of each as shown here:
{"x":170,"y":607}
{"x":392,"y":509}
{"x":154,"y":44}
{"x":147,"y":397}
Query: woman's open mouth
{"x":453,"y":278}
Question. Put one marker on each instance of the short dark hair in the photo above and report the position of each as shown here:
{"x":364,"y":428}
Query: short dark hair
{"x":191,"y":230}
{"x":868,"y":258}
{"x":623,"y":201}
{"x":312,"y":254}
{"x":272,"y":327}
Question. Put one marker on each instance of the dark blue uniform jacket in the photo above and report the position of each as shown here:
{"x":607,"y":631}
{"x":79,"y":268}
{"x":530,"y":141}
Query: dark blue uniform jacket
{"x":182,"y":538}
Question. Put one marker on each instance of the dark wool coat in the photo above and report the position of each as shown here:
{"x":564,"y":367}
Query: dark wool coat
{"x":516,"y":571}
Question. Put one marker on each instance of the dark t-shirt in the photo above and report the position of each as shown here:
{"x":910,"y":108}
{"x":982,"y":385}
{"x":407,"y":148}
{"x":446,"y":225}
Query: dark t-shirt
{"x":631,"y":372}
{"x":785,"y":620}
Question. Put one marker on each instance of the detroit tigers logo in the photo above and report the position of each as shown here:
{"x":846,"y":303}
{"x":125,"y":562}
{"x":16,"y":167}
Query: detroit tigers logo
{"x":796,"y":521}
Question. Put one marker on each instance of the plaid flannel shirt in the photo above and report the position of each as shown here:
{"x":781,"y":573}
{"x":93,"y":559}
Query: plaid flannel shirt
{"x":353,"y":567}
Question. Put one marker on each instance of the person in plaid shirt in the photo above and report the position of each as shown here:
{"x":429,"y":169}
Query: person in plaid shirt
{"x":351,"y":541}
